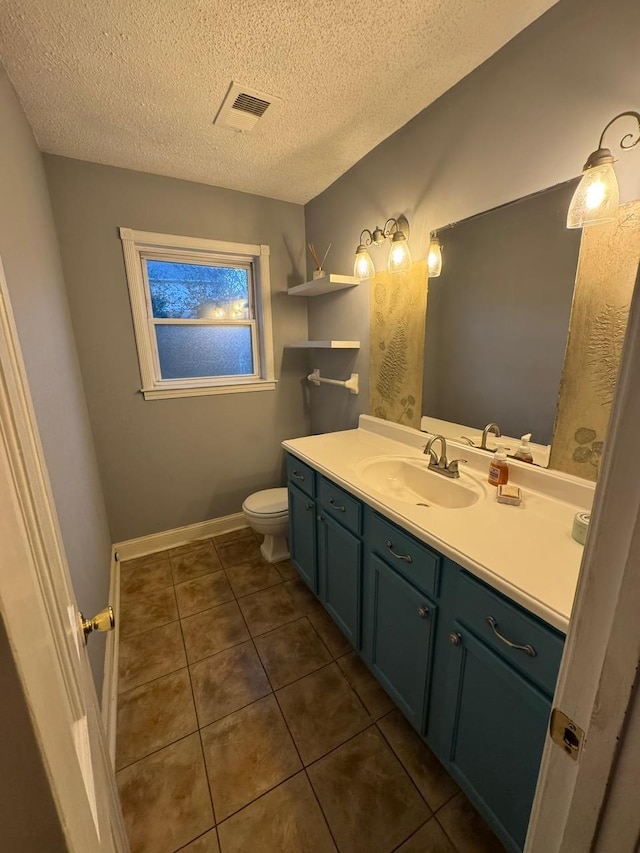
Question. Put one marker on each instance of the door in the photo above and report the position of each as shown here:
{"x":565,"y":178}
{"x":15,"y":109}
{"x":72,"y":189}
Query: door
{"x":302,"y":536}
{"x":43,"y":624}
{"x":498,"y":726}
{"x":400,"y":629}
{"x":339,"y":575}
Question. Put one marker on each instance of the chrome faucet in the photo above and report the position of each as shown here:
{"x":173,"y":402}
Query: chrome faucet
{"x":495,"y":429}
{"x":441,"y":465}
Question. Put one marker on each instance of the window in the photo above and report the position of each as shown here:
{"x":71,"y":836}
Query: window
{"x":201,"y":314}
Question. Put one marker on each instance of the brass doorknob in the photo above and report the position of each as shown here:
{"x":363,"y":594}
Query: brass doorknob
{"x":103,"y":621}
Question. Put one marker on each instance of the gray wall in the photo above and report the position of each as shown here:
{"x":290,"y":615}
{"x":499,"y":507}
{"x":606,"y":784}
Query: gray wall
{"x":525,"y":120}
{"x":32,"y":266}
{"x":167,"y":463}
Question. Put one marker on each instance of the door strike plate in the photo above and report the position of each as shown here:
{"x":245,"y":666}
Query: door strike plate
{"x":566,"y":733}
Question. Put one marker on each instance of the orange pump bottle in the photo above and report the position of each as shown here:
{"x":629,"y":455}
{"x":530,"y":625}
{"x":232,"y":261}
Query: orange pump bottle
{"x":499,"y":468}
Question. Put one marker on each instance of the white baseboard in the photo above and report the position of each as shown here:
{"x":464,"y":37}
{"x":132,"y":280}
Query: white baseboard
{"x":109,"y":701}
{"x":132,"y":548}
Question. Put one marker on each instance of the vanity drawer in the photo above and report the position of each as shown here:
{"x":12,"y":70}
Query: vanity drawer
{"x":413,"y":559}
{"x":341,"y":505}
{"x":478,"y":603}
{"x":301,"y":475}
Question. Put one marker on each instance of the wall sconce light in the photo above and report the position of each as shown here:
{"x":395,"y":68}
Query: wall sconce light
{"x":399,"y":255}
{"x":597,"y":195}
{"x":434,"y":257}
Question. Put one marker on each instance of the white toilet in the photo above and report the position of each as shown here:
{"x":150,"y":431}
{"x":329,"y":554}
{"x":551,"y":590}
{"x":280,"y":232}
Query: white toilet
{"x":267,"y":512}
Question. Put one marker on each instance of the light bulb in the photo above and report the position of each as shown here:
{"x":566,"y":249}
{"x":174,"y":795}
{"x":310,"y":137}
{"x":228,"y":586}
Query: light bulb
{"x":363,"y":265}
{"x":434,"y":258}
{"x":596,"y":197}
{"x":399,"y":254}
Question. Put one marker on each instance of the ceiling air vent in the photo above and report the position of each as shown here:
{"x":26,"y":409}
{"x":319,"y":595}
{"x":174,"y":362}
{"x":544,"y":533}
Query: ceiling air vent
{"x":243,"y":107}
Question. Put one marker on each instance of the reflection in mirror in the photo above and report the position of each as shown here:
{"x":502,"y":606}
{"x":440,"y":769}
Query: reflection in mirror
{"x":497,"y":320}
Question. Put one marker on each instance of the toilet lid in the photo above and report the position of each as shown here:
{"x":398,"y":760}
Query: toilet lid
{"x":268,"y":502}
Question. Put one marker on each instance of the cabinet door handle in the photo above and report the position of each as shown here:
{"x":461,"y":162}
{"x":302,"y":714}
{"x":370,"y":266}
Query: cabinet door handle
{"x":297,"y":475}
{"x":423,"y":612}
{"x":321,"y":518}
{"x":337,"y":506}
{"x":406,"y":557}
{"x":528,"y":649}
{"x":455,"y":638}
{"x":308,"y":507}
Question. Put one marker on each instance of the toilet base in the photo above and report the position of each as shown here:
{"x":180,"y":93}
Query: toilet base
{"x":275,"y":548}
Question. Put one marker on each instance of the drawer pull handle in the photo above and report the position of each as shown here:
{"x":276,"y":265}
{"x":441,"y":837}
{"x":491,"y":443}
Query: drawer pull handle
{"x":529,"y":650}
{"x":297,"y":475}
{"x":423,"y":612}
{"x":406,"y":557}
{"x":337,"y":506}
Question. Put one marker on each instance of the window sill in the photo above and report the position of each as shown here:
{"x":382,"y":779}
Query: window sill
{"x":205,"y":390}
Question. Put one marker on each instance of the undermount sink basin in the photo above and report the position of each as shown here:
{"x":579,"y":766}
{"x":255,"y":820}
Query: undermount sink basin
{"x":410,"y":481}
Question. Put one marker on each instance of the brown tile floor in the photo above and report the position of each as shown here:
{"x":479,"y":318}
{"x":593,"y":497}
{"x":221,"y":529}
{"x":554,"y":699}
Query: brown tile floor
{"x":247,"y":724}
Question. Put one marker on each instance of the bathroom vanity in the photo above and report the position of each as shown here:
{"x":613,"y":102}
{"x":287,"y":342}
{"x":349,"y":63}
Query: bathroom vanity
{"x":458,"y":605}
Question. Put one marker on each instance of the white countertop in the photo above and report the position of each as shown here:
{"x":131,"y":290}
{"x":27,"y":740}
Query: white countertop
{"x":526,"y":552}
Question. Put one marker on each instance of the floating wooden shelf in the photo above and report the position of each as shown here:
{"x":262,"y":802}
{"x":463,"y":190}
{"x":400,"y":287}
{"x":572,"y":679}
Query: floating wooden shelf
{"x":325,"y":345}
{"x":327,"y":284}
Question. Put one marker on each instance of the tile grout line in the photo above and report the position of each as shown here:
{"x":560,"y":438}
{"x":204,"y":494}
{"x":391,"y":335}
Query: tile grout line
{"x":295,"y":745}
{"x":415,"y":832}
{"x":406,"y":769}
{"x":199,"y":730}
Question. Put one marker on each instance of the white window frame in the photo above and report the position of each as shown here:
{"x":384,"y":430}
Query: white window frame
{"x":139,"y":246}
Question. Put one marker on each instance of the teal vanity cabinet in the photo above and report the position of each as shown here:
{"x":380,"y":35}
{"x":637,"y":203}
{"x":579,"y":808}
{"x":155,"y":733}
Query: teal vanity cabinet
{"x":340,"y":557}
{"x":493,"y":683}
{"x":400,"y":614}
{"x":325,"y":525}
{"x":302,"y":520}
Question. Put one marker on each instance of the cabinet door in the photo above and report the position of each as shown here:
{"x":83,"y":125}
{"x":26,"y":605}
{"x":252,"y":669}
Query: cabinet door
{"x":302,"y":536}
{"x":498,"y":729}
{"x":339,"y":570}
{"x":400,"y":625}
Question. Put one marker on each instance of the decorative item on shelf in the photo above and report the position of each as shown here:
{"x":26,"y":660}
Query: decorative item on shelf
{"x":434,"y":257}
{"x":319,"y":271}
{"x":597,"y":196}
{"x":399,"y":260}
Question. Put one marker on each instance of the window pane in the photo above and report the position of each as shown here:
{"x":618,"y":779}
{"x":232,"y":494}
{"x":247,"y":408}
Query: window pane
{"x":195,"y":351}
{"x":195,"y":291}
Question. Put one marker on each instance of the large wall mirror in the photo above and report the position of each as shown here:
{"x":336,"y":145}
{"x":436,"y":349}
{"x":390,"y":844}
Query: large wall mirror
{"x":498,"y":319}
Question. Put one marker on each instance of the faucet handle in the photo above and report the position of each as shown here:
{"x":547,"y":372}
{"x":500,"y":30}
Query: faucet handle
{"x":453,"y":465}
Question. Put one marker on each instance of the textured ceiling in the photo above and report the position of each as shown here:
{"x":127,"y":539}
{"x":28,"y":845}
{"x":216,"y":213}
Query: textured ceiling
{"x":138,"y":84}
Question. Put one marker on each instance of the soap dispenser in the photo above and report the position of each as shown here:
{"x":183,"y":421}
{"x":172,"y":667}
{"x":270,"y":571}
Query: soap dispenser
{"x":523,"y":453}
{"x":499,"y":468}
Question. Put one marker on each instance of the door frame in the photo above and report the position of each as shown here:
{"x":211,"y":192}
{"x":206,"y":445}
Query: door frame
{"x":573,"y":808}
{"x":43,"y":638}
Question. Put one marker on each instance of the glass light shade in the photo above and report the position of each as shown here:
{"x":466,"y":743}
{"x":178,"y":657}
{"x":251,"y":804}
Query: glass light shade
{"x":399,"y":254}
{"x":596,"y":197}
{"x":363,"y":265}
{"x":434,"y":258}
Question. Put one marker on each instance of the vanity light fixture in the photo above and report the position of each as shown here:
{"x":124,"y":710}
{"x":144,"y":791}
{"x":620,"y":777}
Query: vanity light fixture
{"x":434,"y":257}
{"x":399,"y":255}
{"x":597,"y":195}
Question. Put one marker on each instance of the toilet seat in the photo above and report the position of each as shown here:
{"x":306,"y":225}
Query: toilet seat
{"x":269,"y":503}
